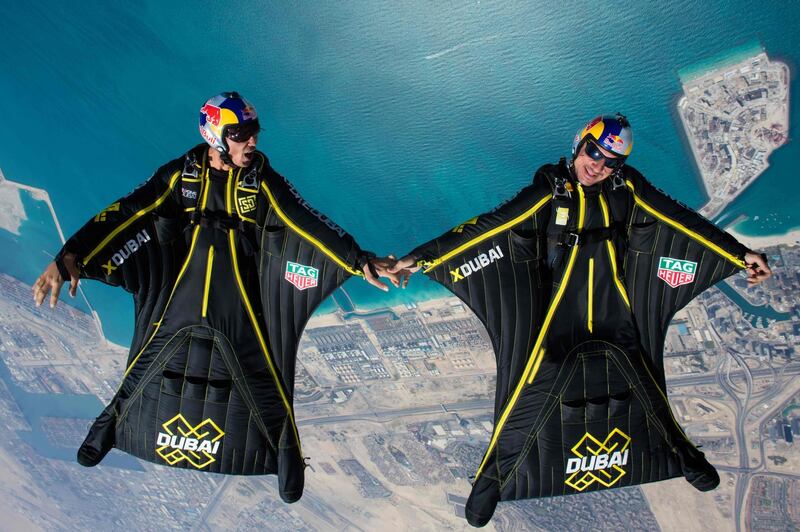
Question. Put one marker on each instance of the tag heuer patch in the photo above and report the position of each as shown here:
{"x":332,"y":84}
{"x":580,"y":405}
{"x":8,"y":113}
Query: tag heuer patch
{"x":676,"y":272}
{"x":301,"y":276}
{"x":562,"y":216}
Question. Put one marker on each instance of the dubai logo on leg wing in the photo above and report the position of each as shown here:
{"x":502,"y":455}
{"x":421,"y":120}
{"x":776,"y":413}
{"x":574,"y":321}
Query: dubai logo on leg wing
{"x":300,"y":275}
{"x":181,"y":441}
{"x":676,"y":272}
{"x":596,"y":461}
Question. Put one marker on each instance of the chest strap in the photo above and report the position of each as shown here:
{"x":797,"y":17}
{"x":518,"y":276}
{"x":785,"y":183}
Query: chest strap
{"x":570,"y":239}
{"x":216,"y":221}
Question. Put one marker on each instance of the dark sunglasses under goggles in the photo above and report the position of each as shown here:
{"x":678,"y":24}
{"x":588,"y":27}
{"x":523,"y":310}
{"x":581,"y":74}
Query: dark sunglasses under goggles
{"x":593,"y":151}
{"x":242,"y":133}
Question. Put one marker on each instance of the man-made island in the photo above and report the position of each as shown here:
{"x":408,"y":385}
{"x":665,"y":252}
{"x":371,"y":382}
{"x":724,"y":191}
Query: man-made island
{"x":734,"y":116}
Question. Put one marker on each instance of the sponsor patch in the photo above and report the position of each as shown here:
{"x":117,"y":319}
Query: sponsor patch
{"x":212,"y":112}
{"x":614,"y":143}
{"x":676,"y":272}
{"x":598,"y":461}
{"x":188,"y":193}
{"x":121,"y":255}
{"x":476,"y":263}
{"x":301,"y":276}
{"x":247,"y":203}
{"x":459,"y":228}
{"x":562,"y":215}
{"x":101,"y":216}
{"x":178,"y":440}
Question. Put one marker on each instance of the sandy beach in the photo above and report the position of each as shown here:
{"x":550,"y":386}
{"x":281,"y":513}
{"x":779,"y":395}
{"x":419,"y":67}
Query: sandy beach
{"x":792,"y":238}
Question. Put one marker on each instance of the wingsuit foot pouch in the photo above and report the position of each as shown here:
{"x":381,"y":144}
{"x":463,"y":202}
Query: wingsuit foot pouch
{"x":696,"y":469}
{"x":100,"y":439}
{"x":482,"y":502}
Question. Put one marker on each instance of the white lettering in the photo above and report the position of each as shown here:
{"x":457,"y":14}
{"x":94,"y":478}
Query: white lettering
{"x":187,"y":444}
{"x":573,"y":464}
{"x":597,"y":462}
{"x":481,"y":261}
{"x":130,"y":247}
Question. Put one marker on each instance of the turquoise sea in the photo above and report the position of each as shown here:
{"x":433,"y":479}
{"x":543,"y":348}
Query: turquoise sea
{"x":396,"y":120}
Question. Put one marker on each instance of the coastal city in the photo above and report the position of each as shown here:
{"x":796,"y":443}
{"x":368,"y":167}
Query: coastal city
{"x":734,"y":118}
{"x":395,"y":405}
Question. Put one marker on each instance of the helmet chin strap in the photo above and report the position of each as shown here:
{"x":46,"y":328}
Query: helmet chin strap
{"x":226,"y":158}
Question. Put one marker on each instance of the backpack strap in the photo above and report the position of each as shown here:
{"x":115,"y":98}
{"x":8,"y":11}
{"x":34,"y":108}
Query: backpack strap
{"x":191,"y":181}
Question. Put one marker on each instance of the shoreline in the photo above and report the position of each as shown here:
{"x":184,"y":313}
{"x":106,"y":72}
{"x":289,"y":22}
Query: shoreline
{"x":40,"y":194}
{"x":791,"y":238}
{"x":687,"y":142}
{"x":732,"y":56}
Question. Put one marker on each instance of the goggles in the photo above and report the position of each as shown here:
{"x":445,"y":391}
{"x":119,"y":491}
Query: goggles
{"x":593,"y":151}
{"x":242,"y":133}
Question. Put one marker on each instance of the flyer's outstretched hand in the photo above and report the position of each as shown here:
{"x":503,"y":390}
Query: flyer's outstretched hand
{"x":51,"y":281}
{"x":381,"y":267}
{"x":758,"y":270}
{"x":405,"y":268}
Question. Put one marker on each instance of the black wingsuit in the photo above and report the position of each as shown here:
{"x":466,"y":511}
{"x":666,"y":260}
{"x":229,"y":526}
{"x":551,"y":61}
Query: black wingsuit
{"x":226,"y":268}
{"x":576,"y":287}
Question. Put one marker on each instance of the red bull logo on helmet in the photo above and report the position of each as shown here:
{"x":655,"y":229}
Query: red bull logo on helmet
{"x":614,"y":143}
{"x":212,"y":112}
{"x":249,"y":113}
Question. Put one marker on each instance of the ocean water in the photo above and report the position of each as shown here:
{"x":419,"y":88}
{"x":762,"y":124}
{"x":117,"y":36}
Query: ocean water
{"x":396,"y":121}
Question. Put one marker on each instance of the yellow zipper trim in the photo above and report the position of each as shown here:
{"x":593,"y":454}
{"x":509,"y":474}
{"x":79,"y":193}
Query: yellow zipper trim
{"x":669,"y":221}
{"x":612,"y":255}
{"x":169,"y":300}
{"x":319,"y":245}
{"x":537,"y":354}
{"x":261,"y":341}
{"x":590,"y":291}
{"x":488,"y":234}
{"x":209,"y":266}
{"x":206,"y":185}
{"x":138,"y":214}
